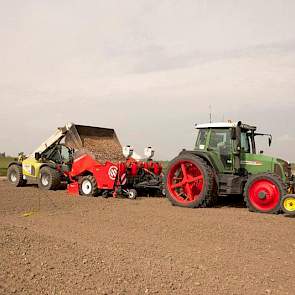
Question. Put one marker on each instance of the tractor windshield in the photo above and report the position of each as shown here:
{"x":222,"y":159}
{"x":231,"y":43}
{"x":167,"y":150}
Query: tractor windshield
{"x":219,"y":139}
{"x":66,"y":154}
{"x":58,"y":154}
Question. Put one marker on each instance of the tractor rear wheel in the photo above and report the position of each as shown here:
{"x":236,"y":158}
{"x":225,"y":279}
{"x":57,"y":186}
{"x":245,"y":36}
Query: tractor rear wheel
{"x":263,"y":193}
{"x":288,"y":204}
{"x":50,"y":179}
{"x":15,"y":175}
{"x":190,"y":182}
{"x":88,"y":186}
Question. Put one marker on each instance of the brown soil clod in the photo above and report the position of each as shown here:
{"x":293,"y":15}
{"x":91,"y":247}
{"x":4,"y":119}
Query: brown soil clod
{"x":104,"y":148}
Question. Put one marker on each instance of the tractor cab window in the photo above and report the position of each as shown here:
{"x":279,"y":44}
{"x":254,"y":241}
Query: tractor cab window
{"x":220,"y":142}
{"x":66,"y":154}
{"x":59,"y":154}
{"x":201,"y":139}
{"x":245,"y":143}
{"x":53,"y":154}
{"x":220,"y":138}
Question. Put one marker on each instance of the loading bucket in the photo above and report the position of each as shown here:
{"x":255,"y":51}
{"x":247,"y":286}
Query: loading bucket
{"x":102,"y":143}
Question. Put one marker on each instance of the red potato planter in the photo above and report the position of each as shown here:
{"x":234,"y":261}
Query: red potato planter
{"x":90,"y":178}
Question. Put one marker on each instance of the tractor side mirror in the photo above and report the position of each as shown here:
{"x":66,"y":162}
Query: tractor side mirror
{"x":269,"y":141}
{"x":233,"y":134}
{"x":37,"y":156}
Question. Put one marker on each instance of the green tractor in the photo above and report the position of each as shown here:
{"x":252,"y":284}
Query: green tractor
{"x":225,"y":162}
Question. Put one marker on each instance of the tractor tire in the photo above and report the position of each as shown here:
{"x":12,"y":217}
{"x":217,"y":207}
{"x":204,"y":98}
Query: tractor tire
{"x":288,"y":204}
{"x":263,"y":193}
{"x":15,"y":175}
{"x":88,"y":186}
{"x":50,"y":179}
{"x":196,"y":186}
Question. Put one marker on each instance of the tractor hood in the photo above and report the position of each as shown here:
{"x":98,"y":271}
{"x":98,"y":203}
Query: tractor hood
{"x":256,"y":163}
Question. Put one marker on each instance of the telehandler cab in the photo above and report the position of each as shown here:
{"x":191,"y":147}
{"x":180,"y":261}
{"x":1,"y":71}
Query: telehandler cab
{"x":225,"y":162}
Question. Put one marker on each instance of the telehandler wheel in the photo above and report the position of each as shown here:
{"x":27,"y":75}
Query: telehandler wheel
{"x":288,"y":204}
{"x":263,"y":193}
{"x":15,"y":175}
{"x":190,"y":182}
{"x":49,"y":179}
{"x":88,"y":186}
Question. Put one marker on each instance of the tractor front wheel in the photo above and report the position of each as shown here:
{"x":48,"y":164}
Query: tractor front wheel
{"x":190,"y":182}
{"x":15,"y":175}
{"x":88,"y":186}
{"x":263,"y":193}
{"x":49,"y":178}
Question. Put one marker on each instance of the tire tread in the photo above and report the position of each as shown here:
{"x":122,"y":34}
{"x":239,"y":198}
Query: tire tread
{"x":20,"y":177}
{"x":271,"y":176}
{"x":91,"y":178}
{"x":210,"y":196}
{"x":55,"y":179}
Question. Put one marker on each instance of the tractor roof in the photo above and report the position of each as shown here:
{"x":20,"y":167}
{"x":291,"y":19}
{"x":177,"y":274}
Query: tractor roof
{"x":224,"y":125}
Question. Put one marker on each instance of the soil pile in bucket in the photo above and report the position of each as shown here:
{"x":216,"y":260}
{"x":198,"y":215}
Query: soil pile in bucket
{"x":101,"y":143}
{"x":103,"y":148}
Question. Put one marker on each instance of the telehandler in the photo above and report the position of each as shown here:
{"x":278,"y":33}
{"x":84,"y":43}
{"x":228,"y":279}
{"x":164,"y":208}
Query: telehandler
{"x":52,"y":161}
{"x":225,"y":162}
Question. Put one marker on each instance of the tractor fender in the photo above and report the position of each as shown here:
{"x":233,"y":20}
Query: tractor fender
{"x":14,"y":163}
{"x":206,"y":158}
{"x":37,"y":174}
{"x":48,"y":165}
{"x":201,"y":155}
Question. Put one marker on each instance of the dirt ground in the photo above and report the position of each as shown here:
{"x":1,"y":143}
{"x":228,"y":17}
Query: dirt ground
{"x":79,"y":245}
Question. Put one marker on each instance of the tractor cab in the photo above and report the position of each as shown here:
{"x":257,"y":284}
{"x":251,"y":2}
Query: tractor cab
{"x":59,"y":154}
{"x":232,"y":147}
{"x":216,"y":138}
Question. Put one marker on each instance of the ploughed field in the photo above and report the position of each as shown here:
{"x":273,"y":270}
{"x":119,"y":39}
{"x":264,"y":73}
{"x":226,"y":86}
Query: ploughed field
{"x":79,"y":245}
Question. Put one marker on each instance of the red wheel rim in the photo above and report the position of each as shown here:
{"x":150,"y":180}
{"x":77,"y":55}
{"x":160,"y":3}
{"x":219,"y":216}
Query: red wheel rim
{"x":185,"y":182}
{"x":264,"y":195}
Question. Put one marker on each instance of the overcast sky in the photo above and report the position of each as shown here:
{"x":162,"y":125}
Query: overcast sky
{"x":150,"y":69}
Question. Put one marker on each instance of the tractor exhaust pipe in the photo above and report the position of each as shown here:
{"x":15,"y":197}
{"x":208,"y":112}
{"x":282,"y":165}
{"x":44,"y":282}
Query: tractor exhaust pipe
{"x":237,"y":152}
